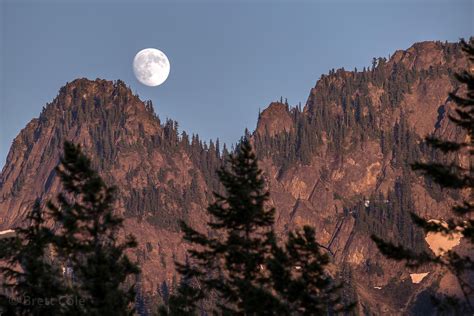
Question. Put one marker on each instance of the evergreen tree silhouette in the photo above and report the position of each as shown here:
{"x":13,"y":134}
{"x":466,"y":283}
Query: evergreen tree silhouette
{"x":239,"y":265}
{"x":230,"y":262}
{"x":299,"y":275}
{"x":31,"y":278}
{"x":87,"y":238}
{"x":184,"y":301}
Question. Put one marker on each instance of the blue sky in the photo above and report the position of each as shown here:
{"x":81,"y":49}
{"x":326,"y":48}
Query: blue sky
{"x":228,"y":58}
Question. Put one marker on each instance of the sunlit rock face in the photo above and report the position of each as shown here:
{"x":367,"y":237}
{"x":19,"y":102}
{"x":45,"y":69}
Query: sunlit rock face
{"x":339,"y":164}
{"x":275,"y":119}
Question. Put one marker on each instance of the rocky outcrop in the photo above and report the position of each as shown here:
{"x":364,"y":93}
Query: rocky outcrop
{"x":274,"y":120}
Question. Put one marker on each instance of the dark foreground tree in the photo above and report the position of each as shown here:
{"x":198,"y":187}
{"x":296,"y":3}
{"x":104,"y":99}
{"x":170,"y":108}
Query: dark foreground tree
{"x":230,"y":262}
{"x":87,"y":238}
{"x":239,"y":265}
{"x":78,"y":267}
{"x":456,"y":177}
{"x":300,"y":277}
{"x":32,"y":282}
{"x":183,"y":302}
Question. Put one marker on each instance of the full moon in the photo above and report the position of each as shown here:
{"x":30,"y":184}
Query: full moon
{"x":151,"y":67}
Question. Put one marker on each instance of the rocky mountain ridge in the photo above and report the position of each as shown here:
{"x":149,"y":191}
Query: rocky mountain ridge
{"x":340,"y":163}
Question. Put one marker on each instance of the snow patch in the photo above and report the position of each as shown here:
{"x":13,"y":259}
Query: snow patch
{"x":8,"y":231}
{"x":418,"y":277}
{"x":440,"y":242}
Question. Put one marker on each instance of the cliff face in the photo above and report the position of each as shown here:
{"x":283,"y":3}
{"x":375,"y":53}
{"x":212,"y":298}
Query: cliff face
{"x":349,"y":176}
{"x":339,"y":164}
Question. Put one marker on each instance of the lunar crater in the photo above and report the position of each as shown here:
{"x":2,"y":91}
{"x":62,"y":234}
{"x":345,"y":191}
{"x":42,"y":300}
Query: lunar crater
{"x":151,"y":67}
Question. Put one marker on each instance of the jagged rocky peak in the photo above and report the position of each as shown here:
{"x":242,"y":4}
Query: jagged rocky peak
{"x":385,"y":83}
{"x":86,"y":110}
{"x":274,"y":120}
{"x":424,"y":55}
{"x":81,"y":103}
{"x":84,"y":85}
{"x":84,"y":95}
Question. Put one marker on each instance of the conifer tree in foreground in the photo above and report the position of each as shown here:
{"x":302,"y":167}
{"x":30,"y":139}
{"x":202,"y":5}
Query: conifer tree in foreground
{"x":300,"y":278}
{"x":184,"y":301}
{"x":30,"y":276}
{"x":239,"y":264}
{"x":230,"y":263}
{"x":455,"y":177}
{"x":87,"y":237}
{"x":77,"y":268}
